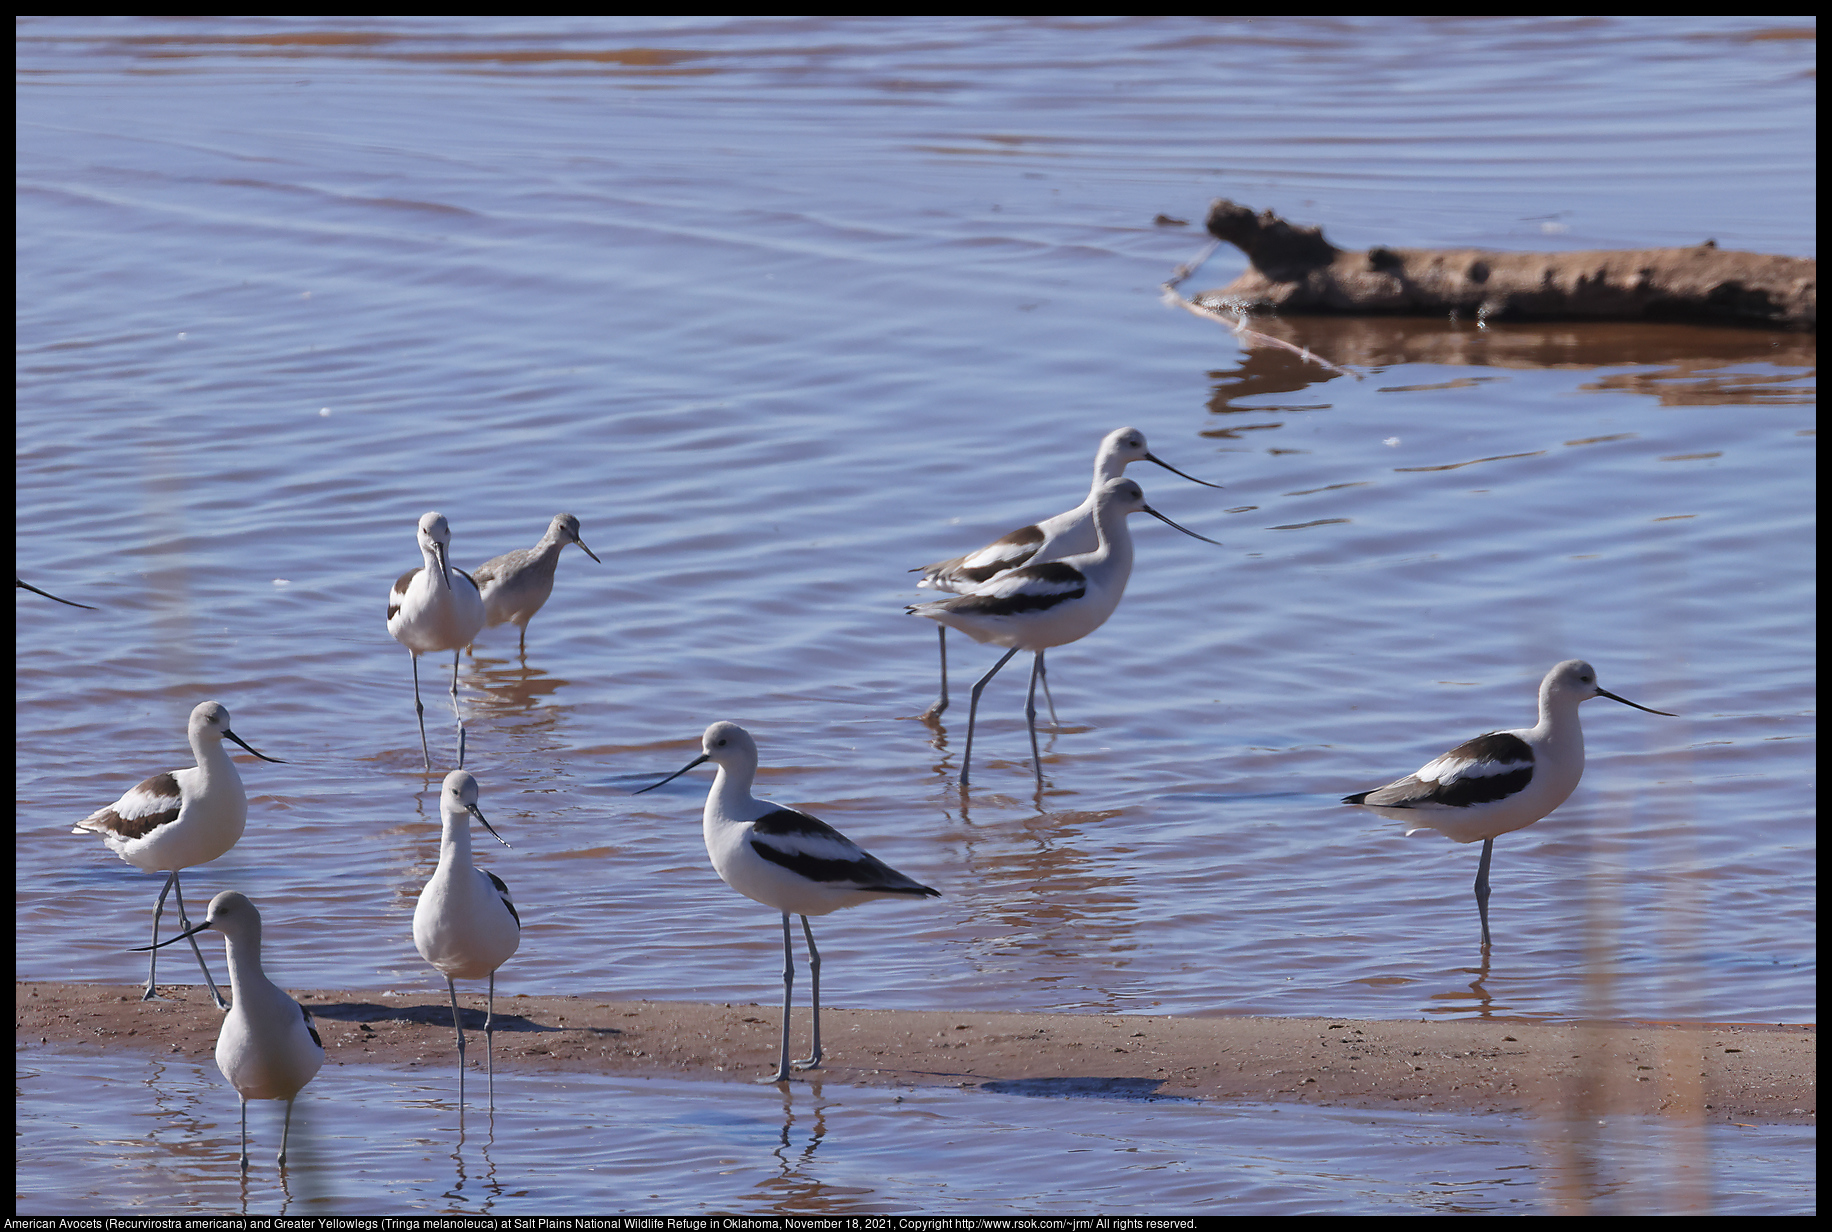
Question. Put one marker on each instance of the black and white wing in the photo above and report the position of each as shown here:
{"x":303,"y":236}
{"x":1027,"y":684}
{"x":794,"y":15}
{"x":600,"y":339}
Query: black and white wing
{"x":1028,"y":588}
{"x":1479,"y":771}
{"x":810,"y":848}
{"x":502,"y":892}
{"x":311,"y":1027}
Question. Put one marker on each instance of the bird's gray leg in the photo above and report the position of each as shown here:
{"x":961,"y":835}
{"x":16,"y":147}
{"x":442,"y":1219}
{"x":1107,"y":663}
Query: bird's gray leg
{"x":153,"y":965}
{"x":1030,"y":717}
{"x":814,"y":967}
{"x":1482,"y":889}
{"x":489,"y":1039}
{"x":941,"y":703}
{"x":524,"y":643}
{"x":244,"y":1133}
{"x":286,"y":1127}
{"x":184,"y":923}
{"x":788,"y":979}
{"x":456,"y":717}
{"x":457,"y":1026}
{"x":973,"y":708}
{"x":1043,"y":674}
{"x":419,"y":710}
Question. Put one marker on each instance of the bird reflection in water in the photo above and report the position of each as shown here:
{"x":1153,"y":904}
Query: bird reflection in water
{"x":795,"y":1187}
{"x":488,"y":1187}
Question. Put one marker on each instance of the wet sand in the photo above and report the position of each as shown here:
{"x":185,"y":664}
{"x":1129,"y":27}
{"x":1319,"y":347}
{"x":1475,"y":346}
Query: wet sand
{"x":1740,"y":1073}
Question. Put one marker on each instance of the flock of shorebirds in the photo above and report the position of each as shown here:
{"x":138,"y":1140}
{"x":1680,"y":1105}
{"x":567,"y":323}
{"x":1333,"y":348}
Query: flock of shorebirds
{"x":1038,"y":587}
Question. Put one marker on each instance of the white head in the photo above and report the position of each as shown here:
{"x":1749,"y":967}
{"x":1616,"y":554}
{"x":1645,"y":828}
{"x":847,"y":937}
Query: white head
{"x":1123,"y":446}
{"x":435,"y":536}
{"x":230,"y":914}
{"x":1118,"y":449}
{"x":434,"y":529}
{"x":1119,"y":497}
{"x":1575,"y":681}
{"x":458,"y":803}
{"x":725,"y":745}
{"x":210,"y":720}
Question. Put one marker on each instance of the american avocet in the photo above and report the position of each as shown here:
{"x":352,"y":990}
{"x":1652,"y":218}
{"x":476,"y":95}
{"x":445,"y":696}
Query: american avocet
{"x":1066,"y":534}
{"x":268,"y":1047}
{"x":786,"y":860}
{"x":516,"y":584}
{"x":435,"y":607}
{"x":22,"y":584}
{"x":184,"y":817}
{"x":1504,"y":781}
{"x":1035,"y":607}
{"x":465,"y":924}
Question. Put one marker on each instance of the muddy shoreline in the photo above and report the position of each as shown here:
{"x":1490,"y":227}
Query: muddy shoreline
{"x":1737,"y":1073}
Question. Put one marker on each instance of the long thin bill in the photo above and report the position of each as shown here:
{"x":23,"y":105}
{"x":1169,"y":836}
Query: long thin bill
{"x":1186,"y":530}
{"x":587,"y":550}
{"x":1152,"y":457}
{"x":264,"y":757}
{"x":19,"y":584}
{"x":478,"y":814}
{"x":1637,"y":705}
{"x":677,"y":774}
{"x":189,"y":932}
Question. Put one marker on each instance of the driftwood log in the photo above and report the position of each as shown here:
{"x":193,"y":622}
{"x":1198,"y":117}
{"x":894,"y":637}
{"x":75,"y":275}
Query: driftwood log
{"x":1295,"y":270}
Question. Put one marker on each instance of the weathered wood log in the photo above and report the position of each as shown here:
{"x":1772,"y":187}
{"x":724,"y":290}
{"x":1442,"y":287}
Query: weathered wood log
{"x":1295,"y":270}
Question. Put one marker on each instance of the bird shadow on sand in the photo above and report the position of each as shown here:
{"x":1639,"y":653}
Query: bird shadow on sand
{"x":437,"y":1015}
{"x":1136,"y":1089}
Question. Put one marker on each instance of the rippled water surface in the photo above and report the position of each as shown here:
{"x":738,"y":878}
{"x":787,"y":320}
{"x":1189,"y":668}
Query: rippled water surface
{"x":780,"y":309}
{"x":392,"y":1141}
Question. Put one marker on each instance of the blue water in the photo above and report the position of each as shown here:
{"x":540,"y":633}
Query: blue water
{"x":121,"y":1134}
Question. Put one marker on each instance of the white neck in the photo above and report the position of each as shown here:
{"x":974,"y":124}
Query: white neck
{"x":730,"y":797}
{"x":213,"y":759}
{"x":455,"y":842}
{"x":245,"y":974}
{"x":1558,"y":732}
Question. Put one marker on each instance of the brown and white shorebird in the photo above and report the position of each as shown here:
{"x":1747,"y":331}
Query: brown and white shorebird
{"x":1503,"y":781}
{"x":517,"y":584}
{"x":175,"y":820}
{"x":1067,"y":534}
{"x":435,"y":607}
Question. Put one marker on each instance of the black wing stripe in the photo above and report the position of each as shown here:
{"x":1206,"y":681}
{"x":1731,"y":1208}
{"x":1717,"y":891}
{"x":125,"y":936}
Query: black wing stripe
{"x":1481,"y":789}
{"x":504,"y":891}
{"x":311,"y":1027}
{"x":1074,"y":586}
{"x":789,"y":821}
{"x":866,"y":873}
{"x":1503,"y":747}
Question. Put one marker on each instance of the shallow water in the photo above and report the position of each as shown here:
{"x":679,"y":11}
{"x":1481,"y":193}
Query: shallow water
{"x":389,"y":1140}
{"x":781,"y":308}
